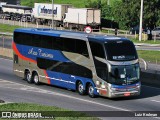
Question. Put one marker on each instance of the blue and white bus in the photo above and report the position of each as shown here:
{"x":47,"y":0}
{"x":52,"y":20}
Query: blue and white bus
{"x":90,"y":64}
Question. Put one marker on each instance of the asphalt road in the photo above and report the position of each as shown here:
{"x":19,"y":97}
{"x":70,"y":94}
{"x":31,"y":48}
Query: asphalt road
{"x":14,"y":89}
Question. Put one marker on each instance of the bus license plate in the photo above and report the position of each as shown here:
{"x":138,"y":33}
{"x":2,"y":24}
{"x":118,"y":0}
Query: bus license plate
{"x":127,"y":94}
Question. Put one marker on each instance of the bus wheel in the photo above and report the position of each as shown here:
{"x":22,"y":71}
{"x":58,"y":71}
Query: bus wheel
{"x":36,"y":79}
{"x":80,"y":88}
{"x":91,"y":91}
{"x":28,"y":77}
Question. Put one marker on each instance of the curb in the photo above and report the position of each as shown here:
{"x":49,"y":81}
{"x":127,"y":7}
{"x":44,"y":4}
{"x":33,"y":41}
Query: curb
{"x":2,"y":101}
{"x":145,"y":44}
{"x":6,"y":33}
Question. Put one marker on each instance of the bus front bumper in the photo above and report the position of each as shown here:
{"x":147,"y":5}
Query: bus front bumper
{"x":124,"y":94}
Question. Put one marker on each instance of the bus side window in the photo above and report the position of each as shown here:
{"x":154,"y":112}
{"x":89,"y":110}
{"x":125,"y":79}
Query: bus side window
{"x":81,"y":48}
{"x":101,"y":67}
{"x":15,"y":59}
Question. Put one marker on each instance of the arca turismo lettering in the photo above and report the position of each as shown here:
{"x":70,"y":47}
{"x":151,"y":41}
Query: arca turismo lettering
{"x":39,"y":52}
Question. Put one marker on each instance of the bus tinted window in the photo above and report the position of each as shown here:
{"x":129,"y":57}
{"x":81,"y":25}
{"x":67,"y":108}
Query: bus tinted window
{"x":18,"y":38}
{"x":64,"y":67}
{"x":46,"y":42}
{"x":97,"y":49}
{"x":101,"y":67}
{"x":81,"y":48}
{"x":51,"y":42}
{"x":57,"y":44}
{"x":120,"y":50}
{"x":69,"y":45}
{"x":36,"y":40}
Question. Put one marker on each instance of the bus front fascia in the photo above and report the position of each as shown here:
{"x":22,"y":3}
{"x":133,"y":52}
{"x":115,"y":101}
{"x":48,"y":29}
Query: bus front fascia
{"x":107,"y":89}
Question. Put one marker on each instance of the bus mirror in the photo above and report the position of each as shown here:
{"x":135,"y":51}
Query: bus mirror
{"x":144,"y":62}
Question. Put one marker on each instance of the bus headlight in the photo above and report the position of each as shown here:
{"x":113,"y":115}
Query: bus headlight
{"x":138,"y":85}
{"x":103,"y":86}
{"x":97,"y":82}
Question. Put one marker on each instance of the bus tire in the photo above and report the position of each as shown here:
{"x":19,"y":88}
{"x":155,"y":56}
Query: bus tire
{"x":80,"y":88}
{"x":36,"y":79}
{"x":28,"y":77}
{"x":90,"y":91}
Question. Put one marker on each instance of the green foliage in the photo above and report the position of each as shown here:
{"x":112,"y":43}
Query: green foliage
{"x":22,"y":107}
{"x":93,"y":4}
{"x":127,"y":13}
{"x":8,"y":28}
{"x":75,"y":3}
{"x":31,"y":2}
{"x":149,"y":56}
{"x":124,"y":12}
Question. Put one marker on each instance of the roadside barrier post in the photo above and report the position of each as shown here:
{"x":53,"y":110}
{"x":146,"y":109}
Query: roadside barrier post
{"x":3,"y":40}
{"x":145,"y":63}
{"x":126,"y":35}
{"x":155,"y":37}
{"x":135,"y":35}
{"x":37,"y":24}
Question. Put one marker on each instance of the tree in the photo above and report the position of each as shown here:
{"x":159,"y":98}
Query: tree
{"x":128,"y":11}
{"x":31,"y":2}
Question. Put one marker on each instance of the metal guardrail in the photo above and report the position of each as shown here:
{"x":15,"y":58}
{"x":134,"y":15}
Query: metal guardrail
{"x":6,"y":33}
{"x":144,"y":62}
{"x":111,"y":29}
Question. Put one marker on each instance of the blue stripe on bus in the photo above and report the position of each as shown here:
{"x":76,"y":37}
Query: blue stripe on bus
{"x":34,"y":52}
{"x":67,"y":80}
{"x":56,"y":78}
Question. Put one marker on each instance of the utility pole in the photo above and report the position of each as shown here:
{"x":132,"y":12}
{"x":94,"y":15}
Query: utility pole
{"x":52,"y":12}
{"x":140,"y":22}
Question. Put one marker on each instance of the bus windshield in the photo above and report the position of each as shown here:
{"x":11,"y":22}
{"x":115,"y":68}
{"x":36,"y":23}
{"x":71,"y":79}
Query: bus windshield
{"x":124,"y":75}
{"x":120,"y":51}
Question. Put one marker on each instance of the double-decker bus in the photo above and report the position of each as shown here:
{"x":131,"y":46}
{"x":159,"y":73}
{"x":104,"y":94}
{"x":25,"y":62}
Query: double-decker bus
{"x":90,"y":64}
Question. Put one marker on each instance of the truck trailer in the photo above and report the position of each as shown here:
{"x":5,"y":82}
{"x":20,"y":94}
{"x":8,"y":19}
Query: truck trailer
{"x":42,"y":13}
{"x":79,"y":18}
{"x":16,"y":12}
{"x":1,"y":12}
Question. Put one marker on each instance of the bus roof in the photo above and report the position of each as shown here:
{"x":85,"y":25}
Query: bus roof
{"x":69,"y":34}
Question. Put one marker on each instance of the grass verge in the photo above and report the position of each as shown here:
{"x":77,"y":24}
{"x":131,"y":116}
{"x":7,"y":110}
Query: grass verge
{"x":149,"y":56}
{"x":8,"y":28}
{"x":46,"y":111}
{"x":146,"y":41}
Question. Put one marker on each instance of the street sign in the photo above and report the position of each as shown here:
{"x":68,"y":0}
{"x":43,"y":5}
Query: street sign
{"x":88,"y":29}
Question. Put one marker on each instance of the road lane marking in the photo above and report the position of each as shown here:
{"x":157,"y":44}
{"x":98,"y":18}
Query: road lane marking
{"x":63,"y":95}
{"x":5,"y":59}
{"x":156,"y":101}
{"x":67,"y":96}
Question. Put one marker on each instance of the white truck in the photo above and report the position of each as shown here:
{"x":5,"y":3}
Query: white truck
{"x":42,"y":13}
{"x":2,"y":3}
{"x":1,"y":12}
{"x":17,"y":12}
{"x":79,"y":18}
